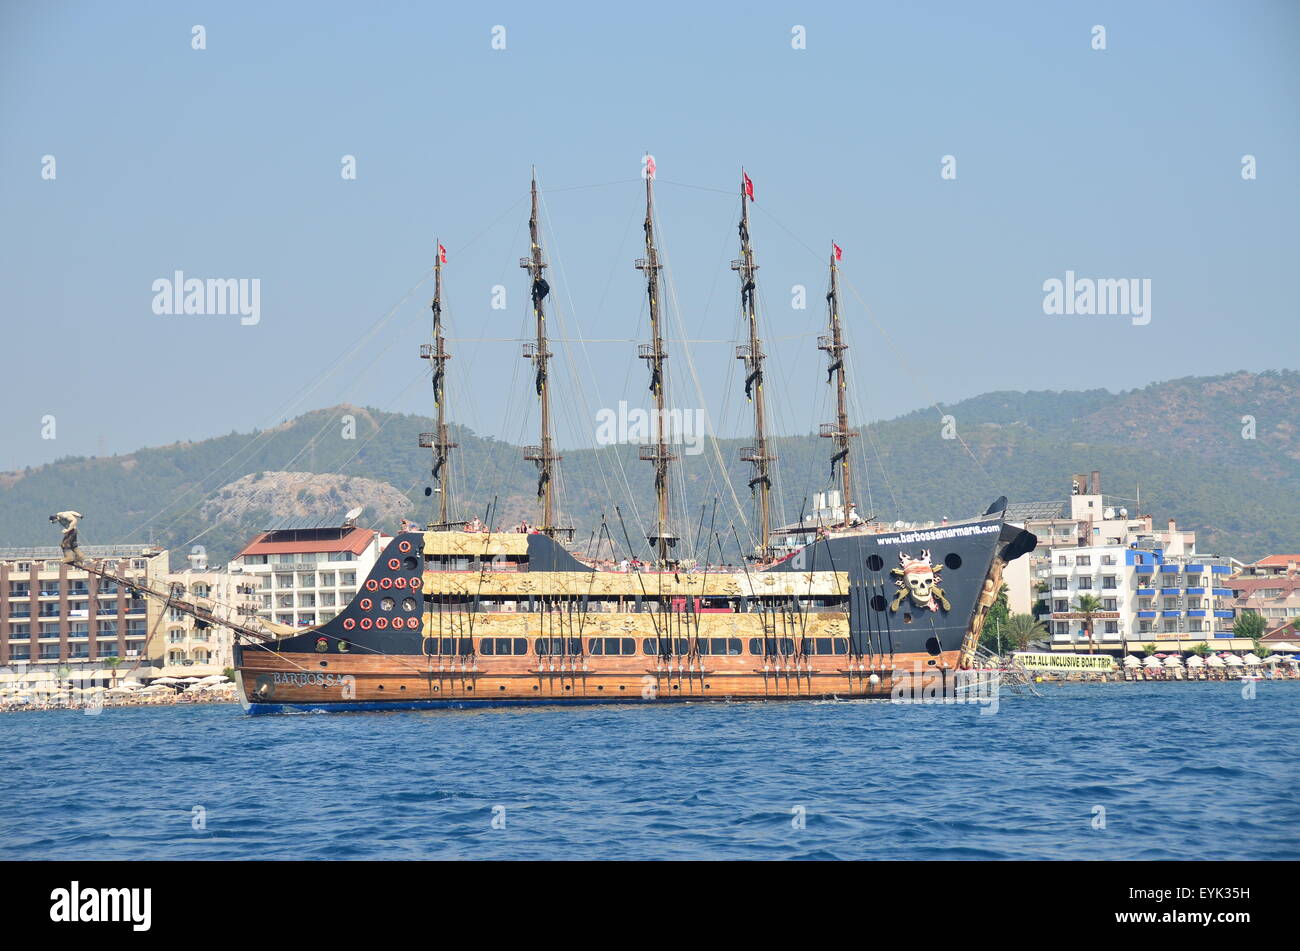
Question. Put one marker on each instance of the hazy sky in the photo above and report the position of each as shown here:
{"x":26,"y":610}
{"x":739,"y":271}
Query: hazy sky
{"x":226,"y":163}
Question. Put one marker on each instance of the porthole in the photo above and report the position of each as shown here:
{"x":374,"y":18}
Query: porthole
{"x":907,"y":617}
{"x":403,"y":687}
{"x":622,"y":686}
{"x":436,"y":688}
{"x":952,"y":560}
{"x":469,"y":686}
{"x":600,"y":687}
{"x":932,"y":645}
{"x":381,"y":686}
{"x":324,"y":663}
{"x":386,"y":604}
{"x":568,"y":686}
{"x":409,"y":563}
{"x":875,"y":562}
{"x":502,"y":687}
{"x":878,"y":602}
{"x":408,"y":604}
{"x":535,"y":687}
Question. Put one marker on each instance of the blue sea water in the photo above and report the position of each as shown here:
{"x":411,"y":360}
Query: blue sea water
{"x":1182,"y":771}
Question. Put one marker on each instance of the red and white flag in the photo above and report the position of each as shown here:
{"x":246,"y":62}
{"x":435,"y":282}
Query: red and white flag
{"x":839,"y":252}
{"x":649,"y":166}
{"x":442,"y":253}
{"x":749,"y":185}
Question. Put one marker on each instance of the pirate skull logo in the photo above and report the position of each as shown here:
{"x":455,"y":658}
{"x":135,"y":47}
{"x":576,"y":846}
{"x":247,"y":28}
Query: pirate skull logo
{"x":919,"y":579}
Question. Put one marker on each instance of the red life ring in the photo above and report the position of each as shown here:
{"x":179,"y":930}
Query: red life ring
{"x":381,"y":623}
{"x":413,"y":622}
{"x":371,"y":584}
{"x":366,"y":604}
{"x":403,"y":546}
{"x":385,"y":582}
{"x":399,"y":582}
{"x":394,"y":563}
{"x":349,"y":624}
{"x":365,"y":623}
{"x":416,"y":583}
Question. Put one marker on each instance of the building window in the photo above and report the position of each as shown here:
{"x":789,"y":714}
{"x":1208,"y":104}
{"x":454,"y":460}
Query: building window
{"x":1085,"y":584}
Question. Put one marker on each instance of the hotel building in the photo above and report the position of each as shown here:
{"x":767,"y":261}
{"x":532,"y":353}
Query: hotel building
{"x":306,"y":570}
{"x":1086,"y":519}
{"x":1147,"y":596}
{"x":1270,"y":588}
{"x":190,"y":648}
{"x":57,"y":615}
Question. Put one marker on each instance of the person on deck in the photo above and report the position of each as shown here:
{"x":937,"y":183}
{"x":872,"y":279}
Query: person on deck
{"x":69,"y":519}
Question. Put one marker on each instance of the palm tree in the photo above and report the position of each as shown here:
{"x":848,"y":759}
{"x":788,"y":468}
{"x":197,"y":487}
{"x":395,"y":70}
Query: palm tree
{"x":1023,"y":628}
{"x":1088,"y":605}
{"x":112,"y":663}
{"x":1202,"y":650}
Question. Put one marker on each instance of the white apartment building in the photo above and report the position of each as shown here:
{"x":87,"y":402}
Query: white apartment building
{"x":1147,"y":596}
{"x":307,"y":569}
{"x":191,"y":648}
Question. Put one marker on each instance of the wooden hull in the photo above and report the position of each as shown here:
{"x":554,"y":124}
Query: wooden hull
{"x":278,"y":683}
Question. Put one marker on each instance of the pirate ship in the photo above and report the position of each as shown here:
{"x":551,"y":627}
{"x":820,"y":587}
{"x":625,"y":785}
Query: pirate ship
{"x":460,"y":615}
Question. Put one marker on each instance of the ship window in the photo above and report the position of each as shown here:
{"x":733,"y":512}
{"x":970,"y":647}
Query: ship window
{"x":611,"y":646}
{"x":826,"y":645}
{"x":780,"y":646}
{"x":386,"y":604}
{"x":952,"y":560}
{"x":875,"y":563}
{"x":558,"y":646}
{"x":408,"y":604}
{"x":681,"y":646}
{"x":449,"y":645}
{"x":503,"y":646}
{"x":720,"y":646}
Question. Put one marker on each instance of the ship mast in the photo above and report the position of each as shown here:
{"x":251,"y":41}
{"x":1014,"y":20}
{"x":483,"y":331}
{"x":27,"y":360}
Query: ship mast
{"x":834,"y":345}
{"x":653,"y":354}
{"x":436,"y":352}
{"x":752,"y":354}
{"x":543,"y":455}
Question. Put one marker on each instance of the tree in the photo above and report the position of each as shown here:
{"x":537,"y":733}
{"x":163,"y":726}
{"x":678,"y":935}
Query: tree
{"x":1202,"y":650}
{"x":1260,"y":650}
{"x":1023,"y":628}
{"x":1088,"y":605}
{"x":1149,"y":648}
{"x":1249,"y":626}
{"x":112,"y":663}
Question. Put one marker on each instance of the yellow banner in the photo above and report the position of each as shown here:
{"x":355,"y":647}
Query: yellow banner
{"x":1063,"y":661}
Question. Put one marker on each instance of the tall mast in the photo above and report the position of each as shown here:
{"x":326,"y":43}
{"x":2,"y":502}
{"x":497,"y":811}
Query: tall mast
{"x":653,"y":353}
{"x":834,"y":345}
{"x":752,"y":354}
{"x":543,"y":455}
{"x":437,"y":353}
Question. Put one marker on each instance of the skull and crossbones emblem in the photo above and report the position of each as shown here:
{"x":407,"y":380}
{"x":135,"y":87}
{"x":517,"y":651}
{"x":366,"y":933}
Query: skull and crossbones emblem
{"x":919,"y":579}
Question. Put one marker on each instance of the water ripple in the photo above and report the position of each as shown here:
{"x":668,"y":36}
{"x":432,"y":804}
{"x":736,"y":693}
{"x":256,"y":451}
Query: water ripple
{"x":1154,"y":771}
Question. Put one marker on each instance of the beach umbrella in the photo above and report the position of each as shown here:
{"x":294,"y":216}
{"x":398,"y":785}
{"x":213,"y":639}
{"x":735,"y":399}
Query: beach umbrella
{"x":1173,"y":660}
{"x":1132,"y":661}
{"x":213,"y":679}
{"x":1195,"y":661}
{"x":1151,"y":662}
{"x":1214,"y":660}
{"x":1233,"y":660}
{"x":1283,"y":646}
{"x":131,"y":684}
{"x":166,"y":680}
{"x":1251,"y":660}
{"x":1273,"y":659}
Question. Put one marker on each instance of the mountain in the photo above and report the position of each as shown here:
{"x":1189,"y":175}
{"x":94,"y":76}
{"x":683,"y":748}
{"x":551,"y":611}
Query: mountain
{"x":1219,"y":454}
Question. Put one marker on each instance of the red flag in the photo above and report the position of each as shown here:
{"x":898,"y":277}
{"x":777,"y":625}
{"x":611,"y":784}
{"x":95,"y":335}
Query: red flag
{"x":749,"y":186}
{"x":649,"y":166}
{"x":442,"y":254}
{"x":839,"y":252}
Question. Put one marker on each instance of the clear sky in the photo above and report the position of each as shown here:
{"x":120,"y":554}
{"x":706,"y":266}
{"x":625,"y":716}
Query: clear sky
{"x":225,"y":163}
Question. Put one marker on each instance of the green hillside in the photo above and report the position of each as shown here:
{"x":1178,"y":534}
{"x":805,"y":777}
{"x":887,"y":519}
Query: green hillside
{"x":1180,"y":442}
